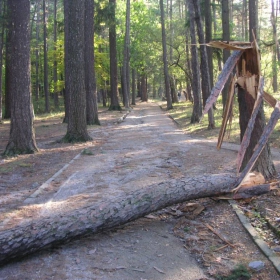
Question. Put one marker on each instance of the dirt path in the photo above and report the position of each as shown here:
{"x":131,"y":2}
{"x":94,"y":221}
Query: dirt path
{"x":145,"y":148}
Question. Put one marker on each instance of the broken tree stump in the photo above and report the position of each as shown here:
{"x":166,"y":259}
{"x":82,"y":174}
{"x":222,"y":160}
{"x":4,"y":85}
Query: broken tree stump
{"x":38,"y":233}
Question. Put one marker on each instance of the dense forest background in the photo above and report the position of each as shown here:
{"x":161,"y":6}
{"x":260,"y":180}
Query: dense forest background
{"x":141,"y":48}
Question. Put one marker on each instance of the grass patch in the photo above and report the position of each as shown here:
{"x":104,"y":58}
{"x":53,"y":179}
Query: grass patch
{"x":238,"y":273}
{"x":87,"y":152}
{"x":182,"y":113}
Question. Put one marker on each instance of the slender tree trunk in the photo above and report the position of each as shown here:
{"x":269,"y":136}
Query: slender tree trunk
{"x":55,"y":94}
{"x":226,"y":37}
{"x":125,"y":74}
{"x":276,"y":47}
{"x":46,"y":70}
{"x":245,"y":21}
{"x":205,"y":77}
{"x":2,"y":29}
{"x":214,"y":18}
{"x":164,"y":57}
{"x":7,"y":114}
{"x":173,"y":90}
{"x":90,"y":83}
{"x":66,"y":61}
{"x":196,"y":87}
{"x":188,"y":62}
{"x":133,"y":87}
{"x":75,"y":57}
{"x":113,"y":59}
{"x":22,"y":137}
{"x":171,"y":30}
{"x":208,"y":38}
{"x":144,"y":88}
{"x":37,"y":54}
{"x":253,"y":20}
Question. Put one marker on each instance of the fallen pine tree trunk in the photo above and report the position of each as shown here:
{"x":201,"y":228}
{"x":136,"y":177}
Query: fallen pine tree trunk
{"x":39,"y":233}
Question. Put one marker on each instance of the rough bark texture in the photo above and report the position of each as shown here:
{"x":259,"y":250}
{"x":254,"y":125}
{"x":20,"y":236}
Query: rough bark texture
{"x":22,"y":138}
{"x":196,"y":86}
{"x":35,"y":234}
{"x":276,"y":54}
{"x":261,"y":145}
{"x":133,"y":87}
{"x":77,"y":126}
{"x":113,"y":59}
{"x":247,"y":135}
{"x":246,"y":102}
{"x":253,"y":20}
{"x":144,"y":95}
{"x":90,"y":83}
{"x":164,"y":58}
{"x":55,"y":92}
{"x":7,"y":114}
{"x":226,"y":37}
{"x":46,"y":69}
{"x":125,"y":69}
{"x":66,"y":67}
{"x":208,"y":37}
{"x":38,"y":20}
{"x":1,"y":54}
{"x":205,"y":77}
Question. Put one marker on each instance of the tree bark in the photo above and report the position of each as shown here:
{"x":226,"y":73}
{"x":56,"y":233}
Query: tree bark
{"x":90,"y":82}
{"x":164,"y":58}
{"x":55,"y":92}
{"x":1,"y":53}
{"x":113,"y":59}
{"x":37,"y":53}
{"x":275,"y":48}
{"x":22,"y":137}
{"x":66,"y":66}
{"x":144,"y":96}
{"x":77,"y":126}
{"x":37,"y":234}
{"x":226,"y":37}
{"x":46,"y":67}
{"x":253,"y":20}
{"x":7,"y":114}
{"x":196,"y":84}
{"x":205,"y":76}
{"x":208,"y":38}
{"x":245,"y":20}
{"x":133,"y":87}
{"x":125,"y":68}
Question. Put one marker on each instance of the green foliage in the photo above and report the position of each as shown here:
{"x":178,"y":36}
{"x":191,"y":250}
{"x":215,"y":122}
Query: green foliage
{"x":238,"y":273}
{"x":87,"y":152}
{"x":145,"y":42}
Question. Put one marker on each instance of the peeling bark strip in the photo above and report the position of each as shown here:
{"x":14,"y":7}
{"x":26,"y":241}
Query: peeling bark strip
{"x":36,"y":234}
{"x":222,"y":79}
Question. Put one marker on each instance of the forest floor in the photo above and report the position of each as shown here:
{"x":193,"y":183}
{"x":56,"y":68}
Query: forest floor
{"x":146,"y":148}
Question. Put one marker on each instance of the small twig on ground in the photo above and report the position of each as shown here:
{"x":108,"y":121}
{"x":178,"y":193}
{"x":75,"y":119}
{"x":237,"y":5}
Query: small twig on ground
{"x":221,"y":237}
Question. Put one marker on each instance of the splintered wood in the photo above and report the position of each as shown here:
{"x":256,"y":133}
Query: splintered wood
{"x":246,"y":59}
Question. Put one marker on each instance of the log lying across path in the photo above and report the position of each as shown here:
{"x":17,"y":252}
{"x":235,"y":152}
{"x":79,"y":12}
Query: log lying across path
{"x":39,"y":233}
